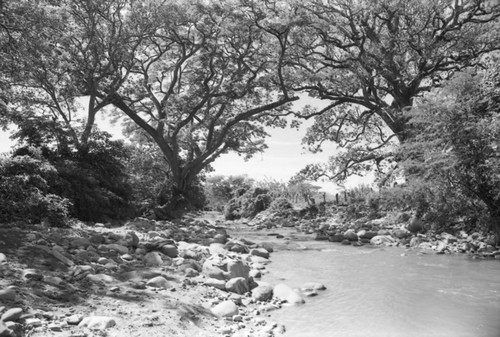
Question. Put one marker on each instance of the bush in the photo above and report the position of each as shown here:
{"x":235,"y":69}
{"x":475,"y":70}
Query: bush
{"x":25,"y":191}
{"x":248,"y":205}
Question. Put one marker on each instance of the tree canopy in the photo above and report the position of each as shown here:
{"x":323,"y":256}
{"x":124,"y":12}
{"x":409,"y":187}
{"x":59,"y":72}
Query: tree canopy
{"x":370,"y":60}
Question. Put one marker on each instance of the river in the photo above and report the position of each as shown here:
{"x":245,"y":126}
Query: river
{"x":389,"y":292}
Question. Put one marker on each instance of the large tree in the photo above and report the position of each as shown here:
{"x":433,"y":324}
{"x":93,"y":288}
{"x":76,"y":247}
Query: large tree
{"x":207,"y":82}
{"x":370,"y":59}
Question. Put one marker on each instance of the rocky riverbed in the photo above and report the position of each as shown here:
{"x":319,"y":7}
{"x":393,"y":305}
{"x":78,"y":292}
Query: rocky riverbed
{"x":146,"y":278}
{"x":196,"y":276}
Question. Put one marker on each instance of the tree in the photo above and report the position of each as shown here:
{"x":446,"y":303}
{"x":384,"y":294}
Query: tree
{"x":58,"y":55}
{"x":455,"y":148}
{"x":370,"y":60}
{"x":205,"y":83}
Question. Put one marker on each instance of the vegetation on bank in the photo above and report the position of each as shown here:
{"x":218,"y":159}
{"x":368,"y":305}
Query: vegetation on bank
{"x":413,"y":93}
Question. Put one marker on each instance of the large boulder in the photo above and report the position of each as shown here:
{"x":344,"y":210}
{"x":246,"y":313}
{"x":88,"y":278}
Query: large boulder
{"x":286,"y":293}
{"x":225,"y":268}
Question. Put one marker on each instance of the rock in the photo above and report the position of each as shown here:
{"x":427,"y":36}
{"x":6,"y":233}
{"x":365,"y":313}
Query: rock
{"x":212,"y":267}
{"x":415,"y":225}
{"x":257,"y":259}
{"x":237,"y":268}
{"x":190,"y":272}
{"x":8,"y":294}
{"x":363,"y":234}
{"x":127,"y":257}
{"x":286,"y":293}
{"x":217,"y":248}
{"x":425,"y":245}
{"x":80,"y":242}
{"x":383,"y":232}
{"x":216,"y":283}
{"x":260,"y":252}
{"x":101,"y":278}
{"x":401,"y":233}
{"x":238,"y":285}
{"x":225,"y":309}
{"x":236,"y":247}
{"x":381,"y":239}
{"x":74,"y":319}
{"x":12,"y":315}
{"x":153,"y":259}
{"x":415,"y":241}
{"x":169,"y":250}
{"x":263,"y":292}
{"x":350,"y":235}
{"x":448,"y":238}
{"x":441,"y":247}
{"x":131,"y":239}
{"x":33,"y":322}
{"x":3,"y":258}
{"x":255,"y":273}
{"x":32,"y":274}
{"x":97,"y":322}
{"x":4,"y":331}
{"x":267,"y":246}
{"x":158,"y":282}
{"x":336,"y":238}
{"x":346,"y":242}
{"x":313,"y":286}
{"x":116,"y":247}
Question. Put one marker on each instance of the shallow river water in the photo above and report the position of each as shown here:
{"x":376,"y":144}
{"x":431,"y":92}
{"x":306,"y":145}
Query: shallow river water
{"x":389,"y":292}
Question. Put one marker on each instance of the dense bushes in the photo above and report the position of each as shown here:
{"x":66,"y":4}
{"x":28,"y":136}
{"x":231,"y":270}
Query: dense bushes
{"x":25,"y":191}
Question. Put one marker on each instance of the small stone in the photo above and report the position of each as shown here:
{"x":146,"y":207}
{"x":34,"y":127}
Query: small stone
{"x":33,"y":322}
{"x":127,"y":257}
{"x":263,"y":292}
{"x":97,"y":322}
{"x":169,"y":250}
{"x":153,"y":259}
{"x":262,"y":252}
{"x":313,"y":286}
{"x":225,"y":309}
{"x":12,"y":314}
{"x":158,"y":282}
{"x":3,"y":258}
{"x":32,"y":274}
{"x":237,"y":285}
{"x":286,"y":293}
{"x":55,"y":326}
{"x":237,"y":318}
{"x":216,"y":283}
{"x":74,"y":319}
{"x":101,"y":278}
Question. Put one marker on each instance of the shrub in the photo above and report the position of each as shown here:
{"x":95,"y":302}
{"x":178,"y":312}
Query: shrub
{"x":25,"y":191}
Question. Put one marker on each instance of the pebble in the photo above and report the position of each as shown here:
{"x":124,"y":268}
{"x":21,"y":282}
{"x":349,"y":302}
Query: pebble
{"x":32,"y":274}
{"x":3,"y":258}
{"x":153,"y":259}
{"x":33,"y":322}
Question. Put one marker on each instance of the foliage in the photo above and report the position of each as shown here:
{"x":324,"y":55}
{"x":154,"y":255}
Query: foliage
{"x":455,"y":148}
{"x":248,"y":205}
{"x":220,"y":189}
{"x":370,"y":60}
{"x":25,"y":191}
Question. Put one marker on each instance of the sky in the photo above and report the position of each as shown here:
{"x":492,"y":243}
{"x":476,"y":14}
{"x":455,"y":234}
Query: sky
{"x":284,"y":157}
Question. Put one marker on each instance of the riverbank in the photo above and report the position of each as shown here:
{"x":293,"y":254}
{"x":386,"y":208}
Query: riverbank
{"x":146,"y":278}
{"x":197,"y":276}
